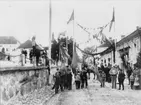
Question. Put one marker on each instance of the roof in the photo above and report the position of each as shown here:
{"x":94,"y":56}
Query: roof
{"x":28,"y":44}
{"x":108,"y":50}
{"x":134,"y":34}
{"x":8,"y":40}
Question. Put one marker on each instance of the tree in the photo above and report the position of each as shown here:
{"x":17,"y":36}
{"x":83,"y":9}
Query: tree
{"x":138,"y":63}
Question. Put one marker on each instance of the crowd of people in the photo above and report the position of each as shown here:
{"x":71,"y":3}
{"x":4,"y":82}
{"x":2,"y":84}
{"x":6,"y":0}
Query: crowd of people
{"x":115,"y":73}
{"x":63,"y":79}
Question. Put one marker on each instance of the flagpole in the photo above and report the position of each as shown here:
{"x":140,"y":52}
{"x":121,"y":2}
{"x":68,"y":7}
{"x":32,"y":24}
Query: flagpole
{"x":73,"y":34}
{"x":67,"y":48}
{"x":114,"y":41}
{"x":50,"y":22}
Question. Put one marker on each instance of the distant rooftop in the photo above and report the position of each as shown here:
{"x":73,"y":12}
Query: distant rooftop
{"x":8,"y":40}
{"x":134,"y":34}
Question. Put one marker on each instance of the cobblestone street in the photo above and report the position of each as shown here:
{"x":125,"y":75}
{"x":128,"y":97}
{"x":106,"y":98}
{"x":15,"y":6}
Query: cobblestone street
{"x":94,"y":95}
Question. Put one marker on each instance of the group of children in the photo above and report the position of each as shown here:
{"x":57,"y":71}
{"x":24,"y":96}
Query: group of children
{"x":63,"y":79}
{"x":81,"y":78}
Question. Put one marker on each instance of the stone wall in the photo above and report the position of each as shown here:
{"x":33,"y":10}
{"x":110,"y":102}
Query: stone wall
{"x":21,"y":81}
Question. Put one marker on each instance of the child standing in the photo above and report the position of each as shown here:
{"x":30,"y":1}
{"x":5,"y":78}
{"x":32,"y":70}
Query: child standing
{"x":132,"y":80}
{"x":77,"y":81}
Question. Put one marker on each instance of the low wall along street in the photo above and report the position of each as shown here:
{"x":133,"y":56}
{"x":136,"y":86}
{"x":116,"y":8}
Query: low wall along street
{"x":21,"y":80}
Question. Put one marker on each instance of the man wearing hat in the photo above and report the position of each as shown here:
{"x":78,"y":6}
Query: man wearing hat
{"x":113,"y":72}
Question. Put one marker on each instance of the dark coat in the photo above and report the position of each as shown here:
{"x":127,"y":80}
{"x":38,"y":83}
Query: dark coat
{"x":83,"y":75}
{"x":69,"y":76}
{"x":121,"y":76}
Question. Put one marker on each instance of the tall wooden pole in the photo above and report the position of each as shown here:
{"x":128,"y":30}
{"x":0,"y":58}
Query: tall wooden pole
{"x":73,"y":33}
{"x":114,"y":50}
{"x":73,"y":38}
{"x":67,"y":48}
{"x":50,"y":27}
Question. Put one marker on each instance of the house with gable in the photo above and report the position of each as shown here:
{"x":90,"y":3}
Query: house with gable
{"x":8,"y":44}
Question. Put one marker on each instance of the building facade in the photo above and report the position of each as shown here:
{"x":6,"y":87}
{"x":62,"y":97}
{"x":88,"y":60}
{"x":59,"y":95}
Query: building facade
{"x":8,"y":44}
{"x":106,"y":57}
{"x":127,"y":49}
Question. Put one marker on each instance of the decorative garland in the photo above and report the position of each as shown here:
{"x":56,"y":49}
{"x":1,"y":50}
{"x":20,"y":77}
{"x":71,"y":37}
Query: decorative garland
{"x":95,"y":36}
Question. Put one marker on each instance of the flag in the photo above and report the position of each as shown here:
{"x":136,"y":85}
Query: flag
{"x":104,"y":41}
{"x":113,"y":20}
{"x":75,"y":59}
{"x":71,"y":18}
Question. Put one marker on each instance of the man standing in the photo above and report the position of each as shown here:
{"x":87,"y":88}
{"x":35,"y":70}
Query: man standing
{"x":113,"y":72}
{"x":25,"y":53}
{"x":34,"y":48}
{"x":69,"y":76}
{"x":121,"y":78}
{"x":57,"y":82}
{"x":103,"y":79}
{"x":84,"y":77}
{"x":129,"y":72}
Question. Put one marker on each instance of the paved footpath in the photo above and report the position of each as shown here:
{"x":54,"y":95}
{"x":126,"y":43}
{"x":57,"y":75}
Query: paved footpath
{"x":95,"y":95}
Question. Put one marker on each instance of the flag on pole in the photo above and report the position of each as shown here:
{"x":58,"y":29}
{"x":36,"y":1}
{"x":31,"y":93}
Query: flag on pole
{"x":71,"y":18}
{"x":113,"y":20}
{"x":75,"y":59}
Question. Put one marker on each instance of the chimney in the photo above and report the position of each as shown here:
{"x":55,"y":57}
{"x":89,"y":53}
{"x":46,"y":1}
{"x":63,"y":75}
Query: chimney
{"x":122,"y":36}
{"x":138,"y":27}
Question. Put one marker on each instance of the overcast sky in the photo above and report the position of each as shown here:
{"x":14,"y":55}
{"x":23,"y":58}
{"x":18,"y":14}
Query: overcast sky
{"x":25,"y":18}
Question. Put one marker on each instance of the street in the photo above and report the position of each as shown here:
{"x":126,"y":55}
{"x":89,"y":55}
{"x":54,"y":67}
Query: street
{"x":95,"y":95}
{"x":78,"y":39}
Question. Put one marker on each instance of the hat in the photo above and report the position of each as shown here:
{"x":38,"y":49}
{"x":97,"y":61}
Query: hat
{"x":115,"y":65}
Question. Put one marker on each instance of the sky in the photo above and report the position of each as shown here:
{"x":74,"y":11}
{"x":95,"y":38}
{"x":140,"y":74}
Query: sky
{"x":25,"y":18}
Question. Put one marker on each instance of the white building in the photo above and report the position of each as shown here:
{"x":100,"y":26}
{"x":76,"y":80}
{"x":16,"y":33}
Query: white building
{"x":8,"y":43}
{"x":128,"y":48}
